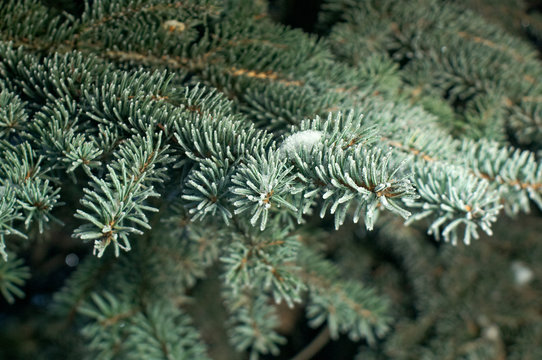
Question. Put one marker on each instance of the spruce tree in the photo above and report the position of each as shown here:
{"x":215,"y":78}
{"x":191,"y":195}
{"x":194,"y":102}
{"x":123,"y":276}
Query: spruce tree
{"x":220,"y":174}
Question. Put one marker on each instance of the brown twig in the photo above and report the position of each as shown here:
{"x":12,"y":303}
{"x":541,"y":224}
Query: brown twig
{"x":315,"y":346}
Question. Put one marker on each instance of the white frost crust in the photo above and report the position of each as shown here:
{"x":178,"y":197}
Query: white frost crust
{"x":302,"y":140}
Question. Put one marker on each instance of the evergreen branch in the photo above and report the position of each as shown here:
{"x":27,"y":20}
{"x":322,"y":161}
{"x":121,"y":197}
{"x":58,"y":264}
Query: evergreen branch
{"x":21,"y":164}
{"x":57,"y":128}
{"x":266,"y":265}
{"x":21,"y":171}
{"x":156,"y":330}
{"x":206,"y":191}
{"x":252,"y":323}
{"x":13,"y":275}
{"x":267,"y":75}
{"x":37,"y":199}
{"x":185,"y":251}
{"x":116,"y":93}
{"x":478,"y":39}
{"x":8,"y":214}
{"x":453,"y":197}
{"x":105,"y":12}
{"x":461,"y":72}
{"x":526,"y":121}
{"x":30,"y":23}
{"x":128,"y":101}
{"x":13,"y":117}
{"x":78,"y":287}
{"x":162,"y":331}
{"x":345,"y":305}
{"x":348,"y":172}
{"x":172,"y":62}
{"x":203,"y":137}
{"x":116,"y":204}
{"x":144,"y":154}
{"x":108,"y":331}
{"x":515,"y":173}
{"x":262,"y":183}
{"x":60,"y":76}
{"x":409,"y":149}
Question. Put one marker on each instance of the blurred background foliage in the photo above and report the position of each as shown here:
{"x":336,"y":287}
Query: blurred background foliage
{"x":446,"y":299}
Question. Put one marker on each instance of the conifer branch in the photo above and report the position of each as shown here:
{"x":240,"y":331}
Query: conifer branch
{"x":234,"y":130}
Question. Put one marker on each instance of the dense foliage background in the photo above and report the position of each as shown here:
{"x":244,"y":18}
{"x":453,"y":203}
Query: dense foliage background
{"x":470,"y":68}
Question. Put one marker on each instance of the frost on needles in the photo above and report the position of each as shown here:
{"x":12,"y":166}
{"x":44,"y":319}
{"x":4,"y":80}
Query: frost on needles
{"x":201,"y":142}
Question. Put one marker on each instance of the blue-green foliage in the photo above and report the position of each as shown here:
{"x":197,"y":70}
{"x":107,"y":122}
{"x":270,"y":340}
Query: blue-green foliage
{"x":201,"y":138}
{"x":13,"y":275}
